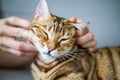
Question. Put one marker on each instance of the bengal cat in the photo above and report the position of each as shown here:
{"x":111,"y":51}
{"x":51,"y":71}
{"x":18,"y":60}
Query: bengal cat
{"x":60,"y":58}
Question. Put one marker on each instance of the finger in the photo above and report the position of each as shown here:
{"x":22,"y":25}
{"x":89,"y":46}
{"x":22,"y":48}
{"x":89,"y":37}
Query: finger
{"x":17,"y":52}
{"x":73,"y":19}
{"x":79,"y":33}
{"x":29,"y":53}
{"x":85,"y":30}
{"x":15,"y":32}
{"x":18,"y":45}
{"x":86,"y":38}
{"x":92,"y":49}
{"x":90,"y":44}
{"x":15,"y":21}
{"x":82,"y":32}
{"x":11,"y":50}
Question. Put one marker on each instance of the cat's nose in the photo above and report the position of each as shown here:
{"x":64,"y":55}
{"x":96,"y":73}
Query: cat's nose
{"x":50,"y":48}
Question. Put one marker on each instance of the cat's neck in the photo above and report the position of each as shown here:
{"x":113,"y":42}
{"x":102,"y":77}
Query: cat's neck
{"x":47,"y":66}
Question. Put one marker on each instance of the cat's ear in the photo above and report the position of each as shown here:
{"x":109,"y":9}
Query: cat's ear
{"x":81,"y":25}
{"x":42,"y":10}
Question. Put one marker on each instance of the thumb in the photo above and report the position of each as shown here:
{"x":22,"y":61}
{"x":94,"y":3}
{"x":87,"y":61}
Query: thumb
{"x":73,"y":19}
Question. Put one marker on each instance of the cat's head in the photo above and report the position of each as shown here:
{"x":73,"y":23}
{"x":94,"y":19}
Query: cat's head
{"x":53,"y":36}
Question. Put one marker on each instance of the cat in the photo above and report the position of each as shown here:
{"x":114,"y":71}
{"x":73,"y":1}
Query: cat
{"x":60,"y":58}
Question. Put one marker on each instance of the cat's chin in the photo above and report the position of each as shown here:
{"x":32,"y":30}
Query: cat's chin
{"x":48,"y":58}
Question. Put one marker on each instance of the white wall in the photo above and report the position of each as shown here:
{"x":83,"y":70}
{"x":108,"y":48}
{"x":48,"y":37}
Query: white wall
{"x":104,"y":15}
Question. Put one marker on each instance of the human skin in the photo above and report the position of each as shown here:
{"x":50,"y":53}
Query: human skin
{"x":24,"y":52}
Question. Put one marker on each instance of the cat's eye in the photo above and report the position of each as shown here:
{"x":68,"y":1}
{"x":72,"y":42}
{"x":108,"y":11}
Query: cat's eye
{"x":45,"y":34}
{"x":35,"y":26}
{"x":63,"y":39}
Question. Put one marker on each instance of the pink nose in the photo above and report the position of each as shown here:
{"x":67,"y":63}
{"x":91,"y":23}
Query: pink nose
{"x":50,"y":48}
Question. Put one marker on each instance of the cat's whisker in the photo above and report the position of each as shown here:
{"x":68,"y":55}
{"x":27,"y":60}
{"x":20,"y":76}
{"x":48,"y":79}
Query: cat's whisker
{"x":67,"y":56}
{"x":74,"y":58}
{"x":63,"y":57}
{"x":71,"y":56}
{"x":77,"y":56}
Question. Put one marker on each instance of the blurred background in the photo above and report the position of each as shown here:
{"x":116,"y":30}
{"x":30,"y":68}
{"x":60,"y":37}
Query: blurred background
{"x":104,"y":16}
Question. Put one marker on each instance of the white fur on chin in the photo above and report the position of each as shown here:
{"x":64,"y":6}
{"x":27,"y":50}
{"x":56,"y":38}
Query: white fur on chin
{"x":44,"y":51}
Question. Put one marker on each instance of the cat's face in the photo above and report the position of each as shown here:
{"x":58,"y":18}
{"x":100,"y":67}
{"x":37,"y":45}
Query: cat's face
{"x":53,"y":38}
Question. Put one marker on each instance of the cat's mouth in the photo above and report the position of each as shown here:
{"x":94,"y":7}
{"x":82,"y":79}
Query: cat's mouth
{"x":55,"y":56}
{"x":49,"y":54}
{"x":47,"y":57}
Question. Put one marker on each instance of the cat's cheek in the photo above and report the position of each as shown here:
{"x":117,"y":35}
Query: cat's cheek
{"x":54,"y":53}
{"x":63,"y":47}
{"x":59,"y":49}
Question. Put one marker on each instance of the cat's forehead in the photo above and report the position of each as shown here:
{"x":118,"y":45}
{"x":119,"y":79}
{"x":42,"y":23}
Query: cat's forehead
{"x":54,"y":23}
{"x":52,"y":20}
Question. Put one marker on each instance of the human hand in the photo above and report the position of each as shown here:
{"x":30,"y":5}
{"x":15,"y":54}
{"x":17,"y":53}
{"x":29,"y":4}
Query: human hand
{"x":85,"y":38}
{"x":10,"y":29}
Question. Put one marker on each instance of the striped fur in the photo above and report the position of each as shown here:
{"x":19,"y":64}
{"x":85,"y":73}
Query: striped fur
{"x":60,"y":58}
{"x":104,"y":64}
